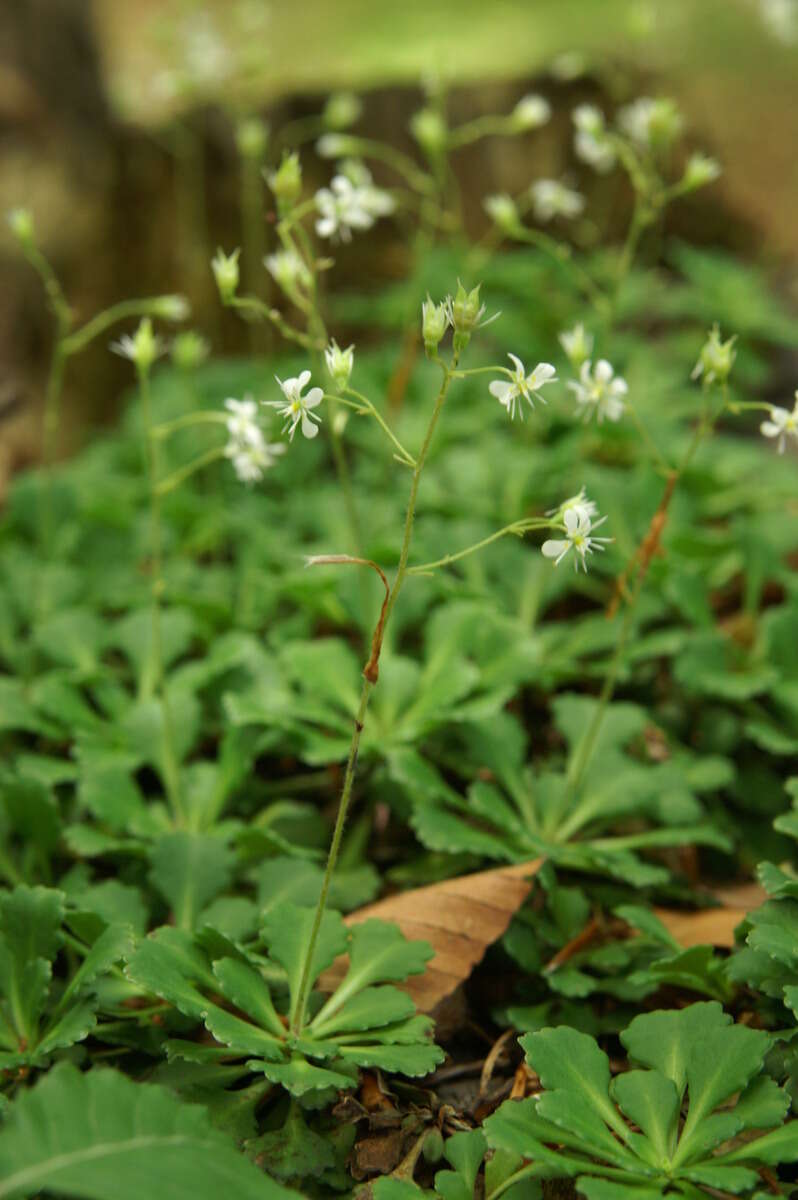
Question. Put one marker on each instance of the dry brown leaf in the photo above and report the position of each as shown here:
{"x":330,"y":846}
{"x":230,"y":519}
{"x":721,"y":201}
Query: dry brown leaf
{"x":460,"y":918}
{"x":713,"y":926}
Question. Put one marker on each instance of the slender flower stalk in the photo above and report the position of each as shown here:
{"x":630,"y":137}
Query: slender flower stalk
{"x":370,"y":675}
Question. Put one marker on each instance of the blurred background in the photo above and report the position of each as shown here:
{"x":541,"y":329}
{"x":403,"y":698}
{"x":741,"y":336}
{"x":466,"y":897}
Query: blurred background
{"x":118,"y":131}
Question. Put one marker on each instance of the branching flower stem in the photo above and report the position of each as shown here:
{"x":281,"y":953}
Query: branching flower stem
{"x":370,"y":675}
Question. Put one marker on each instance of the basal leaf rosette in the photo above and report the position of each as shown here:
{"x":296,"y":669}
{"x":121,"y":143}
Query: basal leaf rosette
{"x":247,"y":999}
{"x":694,"y":1116}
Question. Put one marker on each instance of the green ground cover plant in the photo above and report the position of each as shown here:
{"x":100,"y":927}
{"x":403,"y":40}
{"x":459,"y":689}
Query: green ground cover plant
{"x":332,"y":621}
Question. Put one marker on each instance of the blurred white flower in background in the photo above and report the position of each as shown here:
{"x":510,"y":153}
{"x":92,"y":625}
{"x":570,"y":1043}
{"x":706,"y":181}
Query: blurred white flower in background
{"x":550,"y":199}
{"x":577,"y":344}
{"x":781,"y":18}
{"x":600,"y":390}
{"x":591,"y":141}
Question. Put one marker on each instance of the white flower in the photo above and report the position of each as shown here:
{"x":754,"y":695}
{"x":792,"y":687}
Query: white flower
{"x":376,"y":201}
{"x":577,"y":344}
{"x":649,"y":123}
{"x":782,"y":424}
{"x":510,"y":391}
{"x":550,"y":198}
{"x":530,"y":112}
{"x":242,"y":424}
{"x":251,"y":460}
{"x":342,"y":208}
{"x":339,"y":363}
{"x":142,"y":347}
{"x":296,"y":408}
{"x":580,"y":504}
{"x":288,"y":269}
{"x":591,"y":142}
{"x":578,"y":535}
{"x":600,"y":390}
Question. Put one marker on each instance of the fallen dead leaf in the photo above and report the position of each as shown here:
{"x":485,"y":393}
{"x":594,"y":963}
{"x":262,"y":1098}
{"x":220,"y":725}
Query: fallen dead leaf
{"x":459,"y":917}
{"x":714,"y":926}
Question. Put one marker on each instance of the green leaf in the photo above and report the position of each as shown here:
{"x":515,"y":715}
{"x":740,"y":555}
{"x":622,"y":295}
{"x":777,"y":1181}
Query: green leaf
{"x":300,"y":1077}
{"x":167,"y":964}
{"x":608,"y":1189}
{"x":189,"y":870}
{"x":665,"y":1040}
{"x":99,"y":1135}
{"x":465,"y":1152}
{"x":652,"y":1102}
{"x":571,"y":1062}
{"x":286,"y":932}
{"x":248,"y":991}
{"x":780,"y":1146}
{"x":369,"y":1009}
{"x":378,"y":951}
{"x":293,"y":1151}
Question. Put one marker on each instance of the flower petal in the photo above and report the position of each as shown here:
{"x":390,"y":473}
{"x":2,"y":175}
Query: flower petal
{"x":501,"y":388}
{"x":314,"y":396}
{"x":554,"y":548}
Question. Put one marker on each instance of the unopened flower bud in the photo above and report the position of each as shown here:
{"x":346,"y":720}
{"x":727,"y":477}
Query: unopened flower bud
{"x":716,"y":359}
{"x":577,"y":344}
{"x":339,"y":364}
{"x":429,"y":129}
{"x":286,"y":182}
{"x":434,"y":322}
{"x":20,"y":222}
{"x":172,"y":308}
{"x":142,"y":347}
{"x":189,"y":349}
{"x":502,"y":211}
{"x":341,"y":110}
{"x":530,"y":113}
{"x":252,"y":138}
{"x":226,"y":273}
{"x":336,"y":145}
{"x":700,"y":171}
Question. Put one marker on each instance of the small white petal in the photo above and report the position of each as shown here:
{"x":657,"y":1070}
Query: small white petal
{"x":554,"y":548}
{"x":314,"y":396}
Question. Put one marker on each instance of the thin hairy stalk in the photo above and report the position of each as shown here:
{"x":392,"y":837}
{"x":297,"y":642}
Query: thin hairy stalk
{"x":201,"y":417}
{"x":257,"y":309}
{"x":370,"y":675}
{"x":519,"y":528}
{"x":177,"y":477}
{"x":102,"y":322}
{"x":405,"y":456}
{"x":170,"y":761}
{"x":298,"y":1014}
